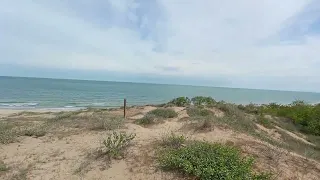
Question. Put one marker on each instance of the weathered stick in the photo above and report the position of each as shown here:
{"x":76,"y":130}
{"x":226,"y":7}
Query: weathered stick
{"x":124,"y":107}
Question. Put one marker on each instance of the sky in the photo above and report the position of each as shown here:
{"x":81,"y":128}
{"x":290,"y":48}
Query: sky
{"x":265,"y":44}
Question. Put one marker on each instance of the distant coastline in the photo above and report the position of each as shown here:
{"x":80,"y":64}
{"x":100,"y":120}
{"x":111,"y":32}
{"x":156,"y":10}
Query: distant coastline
{"x":39,"y":93}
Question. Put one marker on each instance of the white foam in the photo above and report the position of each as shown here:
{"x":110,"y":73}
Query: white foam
{"x":19,"y":104}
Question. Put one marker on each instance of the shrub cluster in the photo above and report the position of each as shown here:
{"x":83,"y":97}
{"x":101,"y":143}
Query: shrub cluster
{"x":203,"y":101}
{"x":303,"y":115}
{"x":306,"y":117}
{"x":197,"y":101}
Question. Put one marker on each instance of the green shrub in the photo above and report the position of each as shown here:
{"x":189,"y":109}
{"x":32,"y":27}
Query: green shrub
{"x":36,"y":131}
{"x":147,"y":119}
{"x":203,"y":101}
{"x":199,"y":112}
{"x":116,"y":143}
{"x":163,"y":113}
{"x":3,"y":166}
{"x":305,"y":116}
{"x":207,"y":161}
{"x":180,"y":101}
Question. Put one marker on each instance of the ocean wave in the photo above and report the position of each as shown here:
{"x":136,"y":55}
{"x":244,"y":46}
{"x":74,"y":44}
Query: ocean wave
{"x":98,"y":104}
{"x":19,"y":104}
{"x":69,"y":106}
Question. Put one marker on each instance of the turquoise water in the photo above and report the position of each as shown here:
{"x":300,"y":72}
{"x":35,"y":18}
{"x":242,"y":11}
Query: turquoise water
{"x":57,"y":93}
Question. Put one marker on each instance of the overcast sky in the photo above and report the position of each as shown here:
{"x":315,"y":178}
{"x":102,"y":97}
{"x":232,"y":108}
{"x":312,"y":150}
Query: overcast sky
{"x":267,"y":44}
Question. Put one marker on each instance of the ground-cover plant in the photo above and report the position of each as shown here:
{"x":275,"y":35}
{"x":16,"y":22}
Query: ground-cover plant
{"x":207,"y":161}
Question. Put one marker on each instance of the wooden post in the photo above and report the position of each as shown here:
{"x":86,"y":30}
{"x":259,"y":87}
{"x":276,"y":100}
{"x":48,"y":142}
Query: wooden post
{"x":124,"y":107}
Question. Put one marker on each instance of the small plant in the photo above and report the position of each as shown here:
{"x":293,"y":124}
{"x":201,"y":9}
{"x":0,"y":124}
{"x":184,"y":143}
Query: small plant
{"x":3,"y":167}
{"x":206,"y":161}
{"x":37,"y":131}
{"x":163,"y":113}
{"x":180,"y":101}
{"x":116,"y":143}
{"x":147,"y":119}
{"x":264,"y":122}
{"x":173,"y":141}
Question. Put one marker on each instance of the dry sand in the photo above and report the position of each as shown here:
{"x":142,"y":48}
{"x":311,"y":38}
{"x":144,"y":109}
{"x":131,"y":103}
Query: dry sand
{"x":68,"y":157}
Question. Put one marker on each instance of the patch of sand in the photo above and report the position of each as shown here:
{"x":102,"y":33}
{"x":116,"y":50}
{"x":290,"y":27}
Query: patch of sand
{"x":217,"y":112}
{"x":295,"y":136}
{"x":271,"y":132}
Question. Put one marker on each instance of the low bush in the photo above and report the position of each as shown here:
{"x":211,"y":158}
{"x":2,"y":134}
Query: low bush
{"x":163,"y":113}
{"x":147,"y":119}
{"x":37,"y":131}
{"x":180,"y":102}
{"x":194,"y":111}
{"x":7,"y":133}
{"x":116,"y":143}
{"x":303,"y":115}
{"x":203,"y":101}
{"x":207,"y":161}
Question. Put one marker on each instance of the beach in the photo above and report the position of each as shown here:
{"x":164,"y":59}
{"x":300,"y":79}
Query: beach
{"x":56,"y":144}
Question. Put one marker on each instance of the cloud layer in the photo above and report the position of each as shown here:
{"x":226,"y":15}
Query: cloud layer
{"x":255,"y":44}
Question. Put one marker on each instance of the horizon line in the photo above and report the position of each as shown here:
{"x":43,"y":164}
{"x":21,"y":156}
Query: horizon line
{"x":154,"y":83}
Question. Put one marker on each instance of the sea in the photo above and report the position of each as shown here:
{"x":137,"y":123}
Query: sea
{"x":26,"y":93}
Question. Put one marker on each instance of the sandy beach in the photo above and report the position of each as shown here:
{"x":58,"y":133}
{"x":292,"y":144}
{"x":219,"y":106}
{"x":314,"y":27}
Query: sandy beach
{"x":7,"y":112}
{"x":64,"y":145}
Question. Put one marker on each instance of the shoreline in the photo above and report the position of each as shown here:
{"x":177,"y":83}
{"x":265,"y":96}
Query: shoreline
{"x":9,"y":111}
